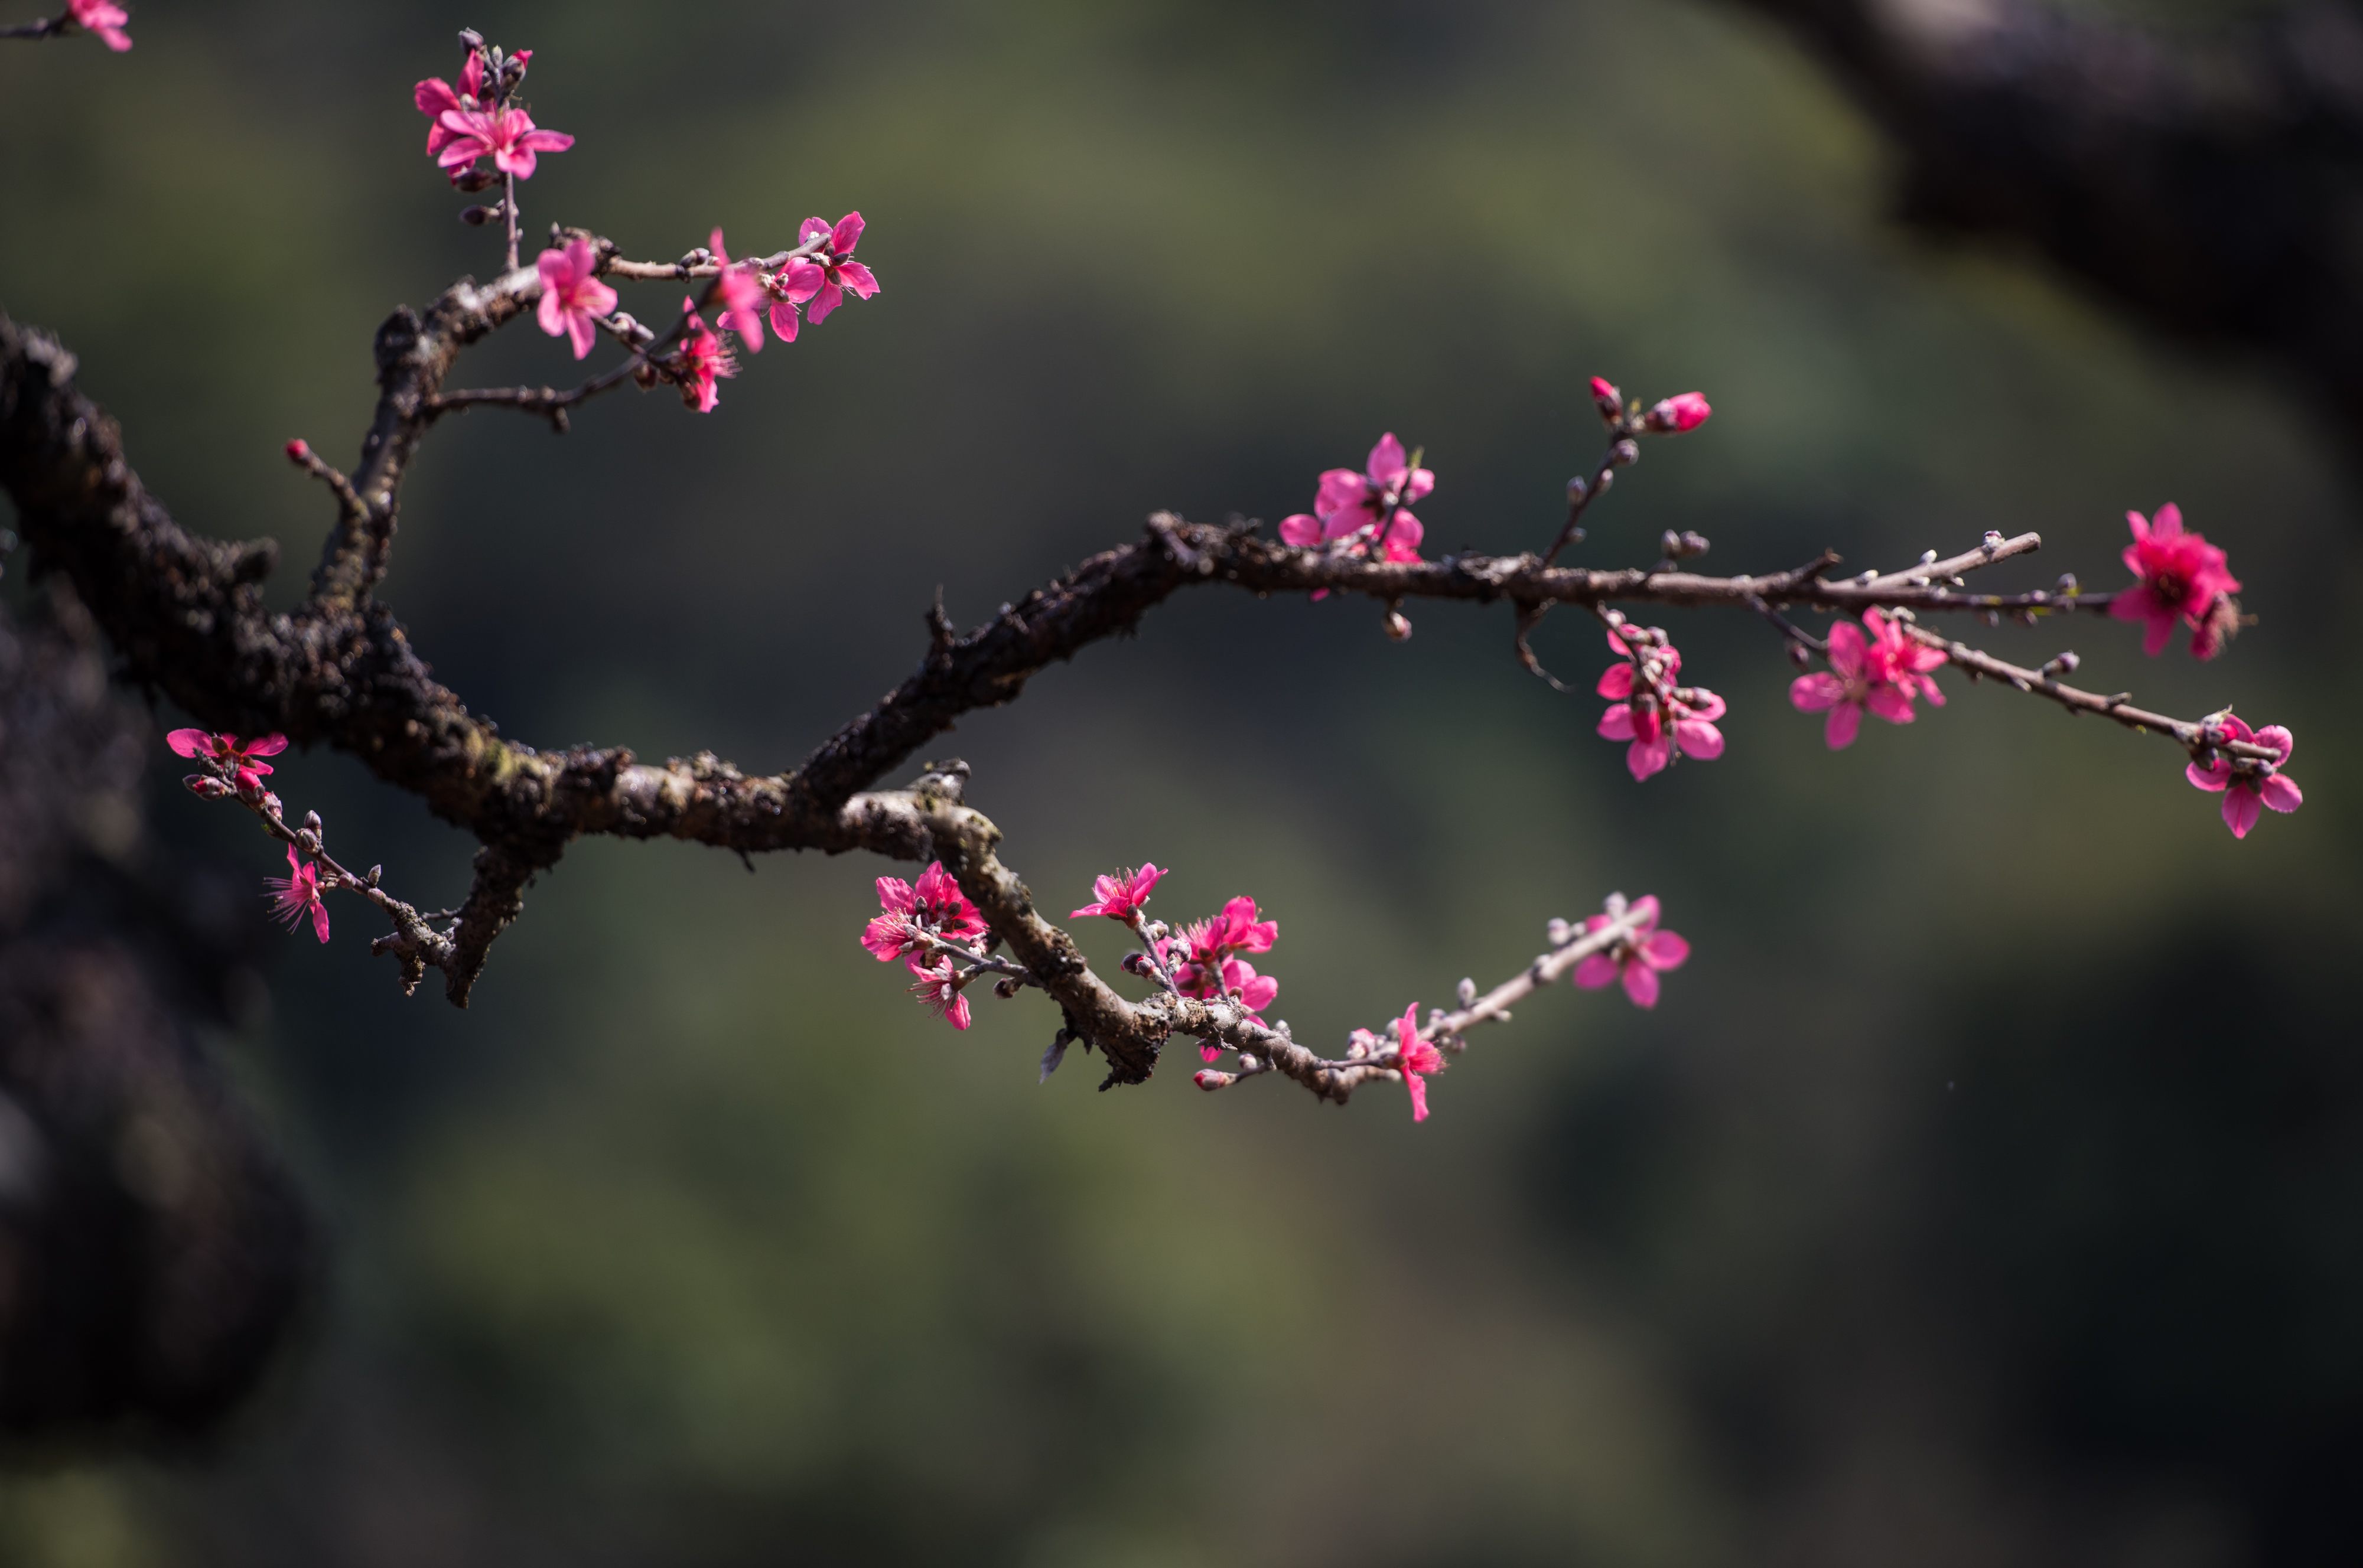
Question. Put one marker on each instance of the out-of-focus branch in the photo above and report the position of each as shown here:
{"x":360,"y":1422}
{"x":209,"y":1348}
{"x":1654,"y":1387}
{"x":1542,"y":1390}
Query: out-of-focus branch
{"x":2210,"y":190}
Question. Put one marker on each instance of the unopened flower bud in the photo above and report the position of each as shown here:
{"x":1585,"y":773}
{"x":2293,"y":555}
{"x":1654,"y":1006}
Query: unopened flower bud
{"x":1927,"y":558}
{"x":1397,"y":627}
{"x":1246,"y":1062}
{"x":1685,"y":411}
{"x":312,"y":819}
{"x":1992,"y":541}
{"x":1135,"y":963}
{"x":478,"y":217}
{"x":1468,"y":991}
{"x":375,"y":874}
{"x":471,"y":38}
{"x":1577,"y":489}
{"x":1559,"y":930}
{"x":1800,"y":654}
{"x":470,"y":179}
{"x":2068,"y":584}
{"x":1615,"y":905}
{"x":299,"y":450}
{"x":2064,"y":664}
{"x":308,"y":841}
{"x":1157,"y":931}
{"x":1607,"y":399}
{"x":1005,"y":987}
{"x":1210,"y":1080}
{"x":206,"y":788}
{"x":1628,"y":453}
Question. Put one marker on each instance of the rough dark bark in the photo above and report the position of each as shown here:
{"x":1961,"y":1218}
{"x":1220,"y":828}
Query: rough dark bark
{"x":153,"y":1251}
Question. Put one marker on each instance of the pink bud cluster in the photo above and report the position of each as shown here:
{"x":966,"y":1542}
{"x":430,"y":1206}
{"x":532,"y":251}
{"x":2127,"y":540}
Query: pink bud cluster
{"x":1882,"y":673}
{"x":1649,"y":710}
{"x":914,"y":923}
{"x":1675,"y":416}
{"x":2179,"y":577}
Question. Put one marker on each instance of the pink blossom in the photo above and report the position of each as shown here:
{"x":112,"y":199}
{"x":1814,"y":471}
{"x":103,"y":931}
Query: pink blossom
{"x":436,"y":96}
{"x":744,"y":299}
{"x":2250,"y":786}
{"x":1120,"y":897}
{"x":1671,"y":417}
{"x":1638,"y":958}
{"x":507,"y":137}
{"x":1652,"y":712}
{"x":703,"y":360}
{"x":104,"y":19}
{"x":939,"y":989}
{"x":1415,"y":1058}
{"x":828,"y":273}
{"x":1211,"y":969}
{"x":2182,"y":576}
{"x":240,"y":757}
{"x":297,"y":894}
{"x":573,"y":297}
{"x":1882,"y":674}
{"x":911,"y":914}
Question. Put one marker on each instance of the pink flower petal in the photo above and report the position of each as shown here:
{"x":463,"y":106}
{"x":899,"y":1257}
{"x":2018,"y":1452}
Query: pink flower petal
{"x":1388,"y":459}
{"x":1665,"y":950}
{"x":2280,"y":792}
{"x":1595,"y":971}
{"x":858,"y":277}
{"x":1641,"y":983}
{"x":2168,"y":522}
{"x":1845,"y":719}
{"x":1616,"y":724}
{"x":1616,"y":684}
{"x":2211,"y":779}
{"x":1891,"y":703}
{"x":1698,"y":739}
{"x":1643,"y":757}
{"x":190,"y":743}
{"x":1848,"y":650}
{"x":2278,"y":738}
{"x":1300,"y":529}
{"x":845,"y":235}
{"x":783,"y":320}
{"x":2241,"y":809}
{"x":1812,"y":693}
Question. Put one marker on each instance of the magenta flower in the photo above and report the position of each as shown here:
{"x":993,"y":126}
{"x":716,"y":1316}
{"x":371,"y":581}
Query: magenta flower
{"x":240,"y":757}
{"x":1211,"y":969}
{"x":573,"y":297}
{"x":1638,"y":960}
{"x":298,"y":894}
{"x":1671,"y":417}
{"x":1415,"y":1058}
{"x":1652,"y":712}
{"x":2247,"y":787}
{"x":1347,"y":503}
{"x":1120,"y":897}
{"x":1882,"y":674}
{"x":104,"y":19}
{"x":939,"y":989}
{"x":701,"y":361}
{"x":824,"y":278}
{"x":2182,"y":576}
{"x":435,"y":96}
{"x":507,"y":137}
{"x":909,"y":915}
{"x":744,"y":299}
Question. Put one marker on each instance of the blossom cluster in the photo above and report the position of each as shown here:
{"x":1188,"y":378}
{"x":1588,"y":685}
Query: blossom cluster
{"x":1368,"y":511}
{"x":238,"y":770}
{"x":478,"y":119}
{"x":1648,"y":709}
{"x":1882,"y":673}
{"x":927,"y":925}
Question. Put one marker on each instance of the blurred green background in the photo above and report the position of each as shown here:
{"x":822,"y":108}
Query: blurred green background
{"x":1983,"y":1192}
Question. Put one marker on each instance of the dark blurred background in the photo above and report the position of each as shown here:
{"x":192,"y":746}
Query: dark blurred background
{"x":1983,"y":1192}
